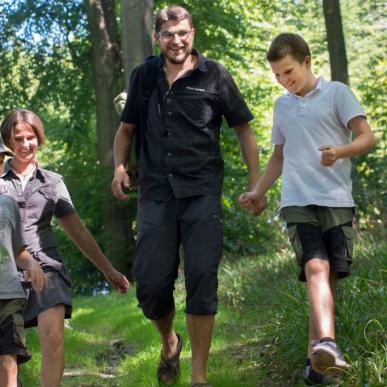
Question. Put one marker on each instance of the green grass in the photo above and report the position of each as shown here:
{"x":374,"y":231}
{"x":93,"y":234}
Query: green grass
{"x":260,"y":336}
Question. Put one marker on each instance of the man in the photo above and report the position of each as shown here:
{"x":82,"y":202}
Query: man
{"x":180,"y":182}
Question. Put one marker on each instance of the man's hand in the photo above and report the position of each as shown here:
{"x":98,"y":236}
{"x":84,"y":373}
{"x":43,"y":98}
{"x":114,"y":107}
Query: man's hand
{"x":117,"y":280}
{"x":120,"y":181}
{"x":329,"y":155}
{"x":252,"y":202}
{"x":35,"y":275}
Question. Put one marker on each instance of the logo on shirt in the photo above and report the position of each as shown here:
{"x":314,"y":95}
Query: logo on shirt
{"x":195,"y":89}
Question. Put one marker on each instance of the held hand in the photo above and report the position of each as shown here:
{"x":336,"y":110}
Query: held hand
{"x":117,"y":280}
{"x":252,"y":202}
{"x":120,"y":182}
{"x":36,"y":276}
{"x":328,"y":155}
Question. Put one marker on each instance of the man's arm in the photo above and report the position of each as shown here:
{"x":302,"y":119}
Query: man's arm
{"x":251,"y":200}
{"x":123,"y":142}
{"x":251,"y":155}
{"x":364,"y":141}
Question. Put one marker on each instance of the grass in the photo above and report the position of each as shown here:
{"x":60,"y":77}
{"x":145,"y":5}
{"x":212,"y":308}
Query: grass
{"x":260,"y":335}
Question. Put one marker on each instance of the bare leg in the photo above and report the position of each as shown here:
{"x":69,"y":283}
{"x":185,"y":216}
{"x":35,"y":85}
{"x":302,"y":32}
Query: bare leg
{"x":8,"y":371}
{"x":200,"y":328}
{"x":168,"y":336}
{"x":51,"y":337}
{"x":321,"y":294}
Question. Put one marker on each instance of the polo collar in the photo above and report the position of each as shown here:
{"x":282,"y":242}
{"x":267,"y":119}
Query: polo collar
{"x":321,"y":83}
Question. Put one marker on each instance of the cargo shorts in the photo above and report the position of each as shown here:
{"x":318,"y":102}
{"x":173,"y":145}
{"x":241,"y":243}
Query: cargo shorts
{"x":321,"y":232}
{"x":12,"y":336}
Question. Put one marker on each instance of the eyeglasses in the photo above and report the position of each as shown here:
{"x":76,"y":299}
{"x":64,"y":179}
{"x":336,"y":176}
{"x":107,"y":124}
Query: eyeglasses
{"x":169,"y":35}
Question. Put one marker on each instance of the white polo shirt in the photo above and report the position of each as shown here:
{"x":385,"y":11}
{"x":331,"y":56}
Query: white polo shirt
{"x":302,"y":125}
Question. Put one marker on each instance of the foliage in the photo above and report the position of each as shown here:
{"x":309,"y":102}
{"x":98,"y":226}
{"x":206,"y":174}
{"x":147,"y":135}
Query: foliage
{"x":260,"y":335}
{"x":271,"y":287}
{"x":45,"y":66}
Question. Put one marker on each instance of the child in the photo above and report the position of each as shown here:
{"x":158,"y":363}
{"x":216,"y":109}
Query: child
{"x":12,"y":295}
{"x":312,"y":129}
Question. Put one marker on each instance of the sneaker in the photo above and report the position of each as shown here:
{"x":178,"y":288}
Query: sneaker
{"x":327,"y":359}
{"x":314,"y":378}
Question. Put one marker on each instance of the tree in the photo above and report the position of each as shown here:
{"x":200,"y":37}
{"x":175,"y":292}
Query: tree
{"x":336,"y":43}
{"x":107,"y":65}
{"x":136,"y":16}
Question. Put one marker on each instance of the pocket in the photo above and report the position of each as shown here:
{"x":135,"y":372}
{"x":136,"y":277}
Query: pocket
{"x":18,"y":330}
{"x":295,"y":242}
{"x":349,"y":235}
{"x":196,"y":108}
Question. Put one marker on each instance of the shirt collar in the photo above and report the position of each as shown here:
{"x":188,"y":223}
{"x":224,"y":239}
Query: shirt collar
{"x":201,"y":65}
{"x":8,"y":170}
{"x":321,"y":83}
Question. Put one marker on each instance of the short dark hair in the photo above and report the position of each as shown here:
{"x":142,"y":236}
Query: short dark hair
{"x":23,"y":116}
{"x":288,"y":44}
{"x":173,"y":12}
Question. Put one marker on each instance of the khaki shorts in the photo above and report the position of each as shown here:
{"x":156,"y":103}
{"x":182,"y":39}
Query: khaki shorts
{"x":12,"y":337}
{"x":321,"y":232}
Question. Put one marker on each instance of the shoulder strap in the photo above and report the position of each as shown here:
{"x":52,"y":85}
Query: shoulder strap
{"x":148,"y":76}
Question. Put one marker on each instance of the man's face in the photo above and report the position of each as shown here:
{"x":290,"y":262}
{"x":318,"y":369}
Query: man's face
{"x":292,"y":75}
{"x":176,"y":40}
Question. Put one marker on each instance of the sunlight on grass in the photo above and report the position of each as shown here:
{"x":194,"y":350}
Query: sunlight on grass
{"x":260,"y":334}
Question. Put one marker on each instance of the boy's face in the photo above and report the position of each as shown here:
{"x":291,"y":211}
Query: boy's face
{"x":294,"y":76}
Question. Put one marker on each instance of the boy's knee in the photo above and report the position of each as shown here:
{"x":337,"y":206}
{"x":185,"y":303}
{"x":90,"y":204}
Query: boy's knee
{"x":8,"y":367}
{"x":317,"y":268}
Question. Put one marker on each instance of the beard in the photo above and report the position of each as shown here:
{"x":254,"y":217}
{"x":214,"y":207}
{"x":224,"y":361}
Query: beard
{"x":179,"y":59}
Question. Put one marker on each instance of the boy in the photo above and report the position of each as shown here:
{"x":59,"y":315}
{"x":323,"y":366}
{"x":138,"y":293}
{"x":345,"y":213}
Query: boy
{"x":311,"y":133}
{"x":12,"y":295}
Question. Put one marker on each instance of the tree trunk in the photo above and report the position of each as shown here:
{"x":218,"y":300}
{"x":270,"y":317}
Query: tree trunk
{"x":336,"y":43}
{"x":136,"y":16}
{"x":107,"y":70}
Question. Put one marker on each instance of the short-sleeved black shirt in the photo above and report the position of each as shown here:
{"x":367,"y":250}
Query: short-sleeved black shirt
{"x":181,"y":150}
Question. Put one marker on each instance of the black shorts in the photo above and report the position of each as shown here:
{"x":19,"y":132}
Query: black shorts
{"x":321,"y":232}
{"x":196,"y":224}
{"x":12,"y":336}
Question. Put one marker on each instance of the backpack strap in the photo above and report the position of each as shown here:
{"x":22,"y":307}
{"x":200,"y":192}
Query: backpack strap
{"x":147,"y":80}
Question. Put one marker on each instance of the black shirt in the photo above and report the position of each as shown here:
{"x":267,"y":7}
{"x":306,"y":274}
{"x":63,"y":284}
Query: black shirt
{"x":181,"y":150}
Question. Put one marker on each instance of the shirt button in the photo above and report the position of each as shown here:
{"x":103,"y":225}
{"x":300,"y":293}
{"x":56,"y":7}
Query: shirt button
{"x":170,"y":175}
{"x":169,"y":113}
{"x":169,"y":154}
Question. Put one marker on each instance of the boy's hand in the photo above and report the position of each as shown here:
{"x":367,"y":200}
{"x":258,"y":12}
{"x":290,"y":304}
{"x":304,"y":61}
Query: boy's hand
{"x":117,"y":280}
{"x":329,"y":155}
{"x":252,"y":202}
{"x":35,"y":275}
